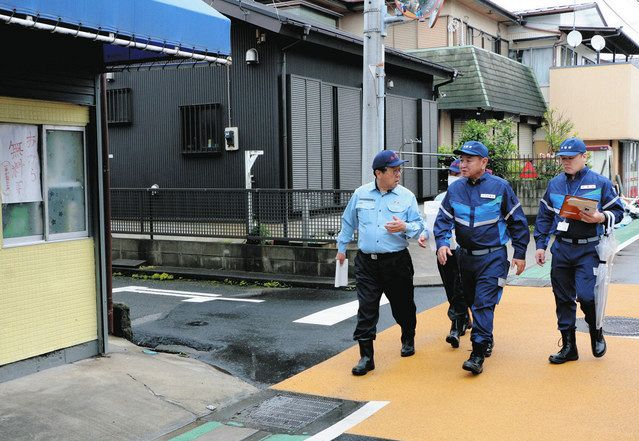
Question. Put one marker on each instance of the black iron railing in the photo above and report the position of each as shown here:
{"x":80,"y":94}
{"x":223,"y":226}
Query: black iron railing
{"x":255,"y":215}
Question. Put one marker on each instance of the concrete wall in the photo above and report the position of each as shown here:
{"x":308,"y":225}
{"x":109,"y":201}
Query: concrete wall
{"x":275,"y":259}
{"x":602,"y":100}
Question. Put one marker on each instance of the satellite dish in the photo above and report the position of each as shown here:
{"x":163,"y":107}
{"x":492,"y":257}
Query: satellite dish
{"x":420,"y":9}
{"x":598,"y":43}
{"x":574,"y":38}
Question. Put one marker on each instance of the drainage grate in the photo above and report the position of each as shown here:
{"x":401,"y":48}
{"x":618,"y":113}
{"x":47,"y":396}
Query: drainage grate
{"x":287,"y":412}
{"x":615,"y":325}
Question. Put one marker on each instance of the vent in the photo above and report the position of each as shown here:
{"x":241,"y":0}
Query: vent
{"x":287,"y":412}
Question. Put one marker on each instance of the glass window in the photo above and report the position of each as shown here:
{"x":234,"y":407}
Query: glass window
{"x":202,"y":128}
{"x":568,"y":56}
{"x":32,"y":167}
{"x":540,"y":61}
{"x":65,"y":181}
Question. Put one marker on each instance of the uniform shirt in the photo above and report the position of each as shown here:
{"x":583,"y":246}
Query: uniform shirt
{"x":586,"y":184}
{"x":369,"y":210}
{"x":485,"y":213}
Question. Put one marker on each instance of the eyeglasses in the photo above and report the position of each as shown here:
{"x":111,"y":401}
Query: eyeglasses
{"x":397,"y":171}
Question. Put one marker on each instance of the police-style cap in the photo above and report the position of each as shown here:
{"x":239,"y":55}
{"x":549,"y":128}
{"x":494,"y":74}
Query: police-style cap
{"x":387,"y":158}
{"x":473,"y":148}
{"x":454,"y":166}
{"x":571,"y":147}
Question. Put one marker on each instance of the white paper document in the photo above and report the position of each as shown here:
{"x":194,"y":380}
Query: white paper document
{"x":341,"y":273}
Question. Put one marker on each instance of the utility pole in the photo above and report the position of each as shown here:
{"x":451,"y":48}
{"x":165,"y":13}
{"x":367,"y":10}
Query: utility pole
{"x":374,"y":78}
{"x":373,"y":87}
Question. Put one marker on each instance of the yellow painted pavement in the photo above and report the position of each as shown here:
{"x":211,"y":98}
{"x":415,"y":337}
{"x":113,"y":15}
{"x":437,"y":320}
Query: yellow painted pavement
{"x":519,"y":396}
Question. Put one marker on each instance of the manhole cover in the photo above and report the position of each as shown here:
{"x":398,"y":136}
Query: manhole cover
{"x":615,"y":325}
{"x":287,"y":412}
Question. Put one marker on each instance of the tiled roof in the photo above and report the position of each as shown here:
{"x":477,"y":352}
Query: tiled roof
{"x":488,"y":80}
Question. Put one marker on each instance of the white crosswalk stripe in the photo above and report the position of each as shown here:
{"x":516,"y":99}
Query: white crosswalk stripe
{"x":189,"y":296}
{"x":336,"y":314}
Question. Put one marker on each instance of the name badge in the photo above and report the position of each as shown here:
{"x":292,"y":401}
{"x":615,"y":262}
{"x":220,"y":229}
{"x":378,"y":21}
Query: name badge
{"x":487,"y":196}
{"x":588,"y":187}
{"x":562,"y":226}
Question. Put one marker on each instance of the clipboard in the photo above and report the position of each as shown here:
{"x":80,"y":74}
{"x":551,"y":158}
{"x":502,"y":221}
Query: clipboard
{"x":572,"y":205}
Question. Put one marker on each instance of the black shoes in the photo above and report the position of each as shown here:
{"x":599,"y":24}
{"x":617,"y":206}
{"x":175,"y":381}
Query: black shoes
{"x":408,"y":347}
{"x":366,"y":362}
{"x":475,"y":363}
{"x":568,"y":350}
{"x":489,"y":349}
{"x":597,"y":342}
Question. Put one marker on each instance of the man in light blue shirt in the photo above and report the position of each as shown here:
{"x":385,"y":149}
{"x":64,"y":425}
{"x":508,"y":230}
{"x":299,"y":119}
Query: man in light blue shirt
{"x":386,"y":215}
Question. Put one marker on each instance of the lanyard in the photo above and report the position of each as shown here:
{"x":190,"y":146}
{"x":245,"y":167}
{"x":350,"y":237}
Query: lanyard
{"x":578,"y":186}
{"x":577,"y":189}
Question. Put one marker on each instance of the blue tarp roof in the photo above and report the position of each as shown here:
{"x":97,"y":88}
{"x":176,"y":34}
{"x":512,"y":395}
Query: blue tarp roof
{"x":189,"y":24}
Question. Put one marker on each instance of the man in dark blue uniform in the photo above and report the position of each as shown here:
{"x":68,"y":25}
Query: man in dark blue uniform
{"x":386,"y":215}
{"x":485,"y":214}
{"x":574,"y":254}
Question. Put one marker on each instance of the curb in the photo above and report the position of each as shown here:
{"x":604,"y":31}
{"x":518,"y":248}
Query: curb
{"x":238,"y":276}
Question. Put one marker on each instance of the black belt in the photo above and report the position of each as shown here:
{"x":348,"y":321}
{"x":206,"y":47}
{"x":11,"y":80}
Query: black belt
{"x":380,"y":256}
{"x":481,"y":252}
{"x":583,"y":241}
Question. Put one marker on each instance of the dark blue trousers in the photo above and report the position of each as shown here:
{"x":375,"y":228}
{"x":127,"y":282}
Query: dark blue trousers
{"x":573,"y":280}
{"x":450,"y":274}
{"x":484,"y":278}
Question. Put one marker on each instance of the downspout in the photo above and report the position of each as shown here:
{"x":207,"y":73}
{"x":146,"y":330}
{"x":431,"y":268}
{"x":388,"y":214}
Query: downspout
{"x":106,"y":186}
{"x":456,"y":75}
{"x":284,"y":101}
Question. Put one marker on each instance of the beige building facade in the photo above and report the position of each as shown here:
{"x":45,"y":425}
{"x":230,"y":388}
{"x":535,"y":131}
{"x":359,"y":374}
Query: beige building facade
{"x":603,"y":102}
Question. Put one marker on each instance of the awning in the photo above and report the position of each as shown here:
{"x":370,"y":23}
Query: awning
{"x":182,"y":28}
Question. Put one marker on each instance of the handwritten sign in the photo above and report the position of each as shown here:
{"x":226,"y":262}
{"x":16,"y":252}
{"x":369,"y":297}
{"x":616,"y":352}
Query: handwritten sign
{"x":19,"y":164}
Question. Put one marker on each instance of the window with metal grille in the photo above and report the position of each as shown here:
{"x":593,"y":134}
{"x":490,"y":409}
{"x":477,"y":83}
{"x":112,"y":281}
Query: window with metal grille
{"x":119,"y":106}
{"x":201,"y":128}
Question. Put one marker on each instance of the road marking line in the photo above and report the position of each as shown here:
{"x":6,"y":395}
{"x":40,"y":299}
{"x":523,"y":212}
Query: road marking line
{"x":626,"y":243}
{"x":352,"y":420}
{"x":192,"y":297}
{"x":336,"y":314}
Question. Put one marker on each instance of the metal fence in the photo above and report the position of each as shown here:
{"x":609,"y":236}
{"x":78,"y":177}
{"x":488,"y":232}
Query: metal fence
{"x":255,"y":215}
{"x":527,"y":167}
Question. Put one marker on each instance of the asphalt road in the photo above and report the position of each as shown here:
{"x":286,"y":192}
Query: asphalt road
{"x":257,"y":342}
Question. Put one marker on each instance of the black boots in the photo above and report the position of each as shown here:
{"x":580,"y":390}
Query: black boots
{"x":475,"y":363}
{"x":457,"y":329}
{"x":489,"y":349}
{"x":366,"y":363}
{"x":568,"y":350}
{"x":454,"y":334}
{"x":597,"y":342}
{"x":408,"y":347}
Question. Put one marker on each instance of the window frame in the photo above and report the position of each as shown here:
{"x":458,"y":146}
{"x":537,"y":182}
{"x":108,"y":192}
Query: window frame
{"x":218,"y":123}
{"x":46,"y":236}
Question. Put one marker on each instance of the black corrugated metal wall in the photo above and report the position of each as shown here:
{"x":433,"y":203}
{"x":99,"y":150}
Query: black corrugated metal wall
{"x":149,"y":152}
{"x":323,"y":113}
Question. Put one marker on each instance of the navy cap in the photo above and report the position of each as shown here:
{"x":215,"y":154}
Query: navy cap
{"x":571,"y":147}
{"x":473,"y":148}
{"x":454,"y":166}
{"x":387,"y":158}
